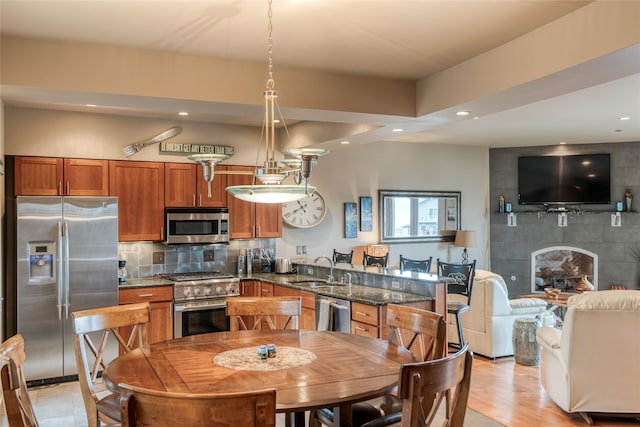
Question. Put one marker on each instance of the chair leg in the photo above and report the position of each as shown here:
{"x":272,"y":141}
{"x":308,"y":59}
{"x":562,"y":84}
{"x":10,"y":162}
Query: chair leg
{"x":460,"y":336}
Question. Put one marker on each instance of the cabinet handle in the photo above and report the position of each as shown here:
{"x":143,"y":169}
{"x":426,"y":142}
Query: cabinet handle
{"x":145,"y":295}
{"x":360,"y":313}
{"x":200,"y":199}
{"x":60,"y":188}
{"x":358,"y":328}
{"x":194,"y":200}
{"x":67,"y":193}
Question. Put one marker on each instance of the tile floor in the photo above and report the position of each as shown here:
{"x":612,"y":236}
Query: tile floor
{"x":61,"y":405}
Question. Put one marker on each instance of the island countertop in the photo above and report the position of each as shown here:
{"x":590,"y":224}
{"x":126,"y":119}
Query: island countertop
{"x":355,"y":293}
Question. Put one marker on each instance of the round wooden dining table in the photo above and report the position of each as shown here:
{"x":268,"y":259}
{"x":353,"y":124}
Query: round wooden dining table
{"x":311,"y":369}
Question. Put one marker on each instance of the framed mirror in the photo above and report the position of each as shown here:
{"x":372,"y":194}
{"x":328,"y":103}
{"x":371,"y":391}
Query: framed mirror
{"x":418,"y":216}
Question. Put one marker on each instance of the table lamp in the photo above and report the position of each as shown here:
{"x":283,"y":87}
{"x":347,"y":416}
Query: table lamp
{"x":465,"y":239}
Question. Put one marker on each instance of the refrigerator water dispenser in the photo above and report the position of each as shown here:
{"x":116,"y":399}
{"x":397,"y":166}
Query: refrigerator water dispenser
{"x":41,"y":263}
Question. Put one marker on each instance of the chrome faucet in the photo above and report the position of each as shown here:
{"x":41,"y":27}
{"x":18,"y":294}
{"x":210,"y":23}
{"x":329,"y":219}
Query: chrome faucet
{"x":330,"y":278}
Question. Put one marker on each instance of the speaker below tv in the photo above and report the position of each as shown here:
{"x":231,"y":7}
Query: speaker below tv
{"x":564,"y":180}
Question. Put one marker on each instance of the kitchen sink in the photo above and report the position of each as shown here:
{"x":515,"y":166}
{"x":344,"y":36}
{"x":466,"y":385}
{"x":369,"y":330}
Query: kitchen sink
{"x":313,"y":283}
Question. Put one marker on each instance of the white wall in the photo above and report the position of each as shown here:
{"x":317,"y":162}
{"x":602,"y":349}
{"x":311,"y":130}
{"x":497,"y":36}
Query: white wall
{"x":342,"y":176}
{"x":345,"y":175}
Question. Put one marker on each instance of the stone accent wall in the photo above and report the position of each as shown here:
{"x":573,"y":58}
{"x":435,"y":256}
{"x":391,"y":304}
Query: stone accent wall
{"x":589,"y":227}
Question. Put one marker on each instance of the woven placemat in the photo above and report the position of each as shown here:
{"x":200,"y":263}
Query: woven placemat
{"x":246,"y":359}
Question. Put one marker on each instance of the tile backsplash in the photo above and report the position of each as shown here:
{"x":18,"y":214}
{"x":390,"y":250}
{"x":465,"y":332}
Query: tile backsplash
{"x":145,"y":259}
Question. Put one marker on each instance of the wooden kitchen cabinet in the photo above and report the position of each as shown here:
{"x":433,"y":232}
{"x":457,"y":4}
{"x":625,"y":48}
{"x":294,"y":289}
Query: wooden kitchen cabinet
{"x":160,"y":299}
{"x":139,"y":187}
{"x":251,"y":220}
{"x":52,"y":176}
{"x":186,"y":187}
{"x":365,"y":320}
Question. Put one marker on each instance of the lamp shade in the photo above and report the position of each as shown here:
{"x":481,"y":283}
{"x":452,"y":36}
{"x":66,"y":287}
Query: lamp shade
{"x":465,"y":239}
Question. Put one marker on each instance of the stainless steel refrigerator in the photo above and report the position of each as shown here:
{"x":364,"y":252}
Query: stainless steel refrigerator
{"x":67,"y":260}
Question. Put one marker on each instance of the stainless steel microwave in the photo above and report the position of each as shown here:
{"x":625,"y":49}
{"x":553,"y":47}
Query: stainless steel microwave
{"x":189,"y":225}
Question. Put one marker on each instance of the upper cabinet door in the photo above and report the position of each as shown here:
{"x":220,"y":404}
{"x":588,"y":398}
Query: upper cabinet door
{"x":139,"y":187}
{"x":241,"y":213}
{"x":268,"y":220}
{"x":86,"y":177}
{"x":38,"y":176}
{"x":52,"y":176}
{"x":179,"y":184}
{"x":218,"y":197}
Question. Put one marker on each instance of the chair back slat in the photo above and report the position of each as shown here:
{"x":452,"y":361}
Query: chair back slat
{"x":276,"y":312}
{"x":16,"y":398}
{"x":142,"y":407}
{"x":370,"y":260}
{"x":342,"y":257}
{"x":420,"y":331}
{"x":419,"y":265}
{"x":107,"y":323}
{"x":463,"y":274}
{"x":424,"y":385}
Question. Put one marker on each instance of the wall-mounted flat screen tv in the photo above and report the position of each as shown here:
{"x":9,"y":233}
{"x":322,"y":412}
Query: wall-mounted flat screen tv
{"x":559,"y":180}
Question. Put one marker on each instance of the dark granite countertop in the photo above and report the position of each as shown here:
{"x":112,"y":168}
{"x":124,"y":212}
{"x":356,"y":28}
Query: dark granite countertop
{"x":357,"y":293}
{"x":145,"y":282}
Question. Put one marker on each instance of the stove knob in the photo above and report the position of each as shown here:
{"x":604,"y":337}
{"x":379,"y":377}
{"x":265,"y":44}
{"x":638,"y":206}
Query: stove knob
{"x":207,"y":291}
{"x":229,"y":290}
{"x":186,"y":292}
{"x":219,"y":290}
{"x":196,"y":292}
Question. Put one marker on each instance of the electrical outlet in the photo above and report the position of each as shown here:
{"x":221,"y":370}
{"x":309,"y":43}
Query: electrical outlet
{"x":298,"y":250}
{"x":395,"y":284}
{"x":208,"y":255}
{"x":310,"y":271}
{"x":304,"y":249}
{"x":158,"y":257}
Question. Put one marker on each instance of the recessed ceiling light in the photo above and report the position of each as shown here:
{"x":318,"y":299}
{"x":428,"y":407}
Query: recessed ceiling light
{"x":276,"y":120}
{"x":183,"y":113}
{"x":563,"y":142}
{"x":463,"y":113}
{"x":476,"y":118}
{"x":93,"y":105}
{"x":345,"y":142}
{"x":397,"y":130}
{"x":625,"y":118}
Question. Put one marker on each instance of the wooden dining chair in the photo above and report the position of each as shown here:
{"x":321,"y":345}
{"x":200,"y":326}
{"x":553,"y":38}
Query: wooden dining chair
{"x":425,"y":385}
{"x":14,"y":386}
{"x":422,"y":265}
{"x":143,"y":407}
{"x":422,"y":332}
{"x":463,"y":275}
{"x":342,"y":257}
{"x":259,"y":312}
{"x":101,"y":405}
{"x":380,"y":261}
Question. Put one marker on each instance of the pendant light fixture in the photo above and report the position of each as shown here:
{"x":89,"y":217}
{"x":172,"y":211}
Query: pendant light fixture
{"x":271,"y":175}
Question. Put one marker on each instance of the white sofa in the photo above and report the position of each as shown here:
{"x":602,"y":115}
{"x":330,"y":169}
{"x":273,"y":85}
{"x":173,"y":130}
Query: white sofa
{"x":488,"y":325}
{"x":592,"y":364}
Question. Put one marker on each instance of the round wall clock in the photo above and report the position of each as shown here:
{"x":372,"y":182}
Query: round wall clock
{"x":304,"y":213}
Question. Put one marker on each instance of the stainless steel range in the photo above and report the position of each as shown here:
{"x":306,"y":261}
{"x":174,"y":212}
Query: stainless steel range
{"x":200,"y":301}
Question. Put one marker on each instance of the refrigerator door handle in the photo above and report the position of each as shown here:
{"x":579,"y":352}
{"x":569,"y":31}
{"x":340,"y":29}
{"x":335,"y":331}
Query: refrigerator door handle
{"x":66,"y":269}
{"x":60,"y":271}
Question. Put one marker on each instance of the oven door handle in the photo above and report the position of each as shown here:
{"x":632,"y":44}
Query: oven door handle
{"x":198,"y":307}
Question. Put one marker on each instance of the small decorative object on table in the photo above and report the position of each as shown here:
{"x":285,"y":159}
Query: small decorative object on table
{"x":501,"y":204}
{"x":628,"y":197}
{"x":583,"y":285}
{"x":263,"y":353}
{"x":271,"y":350}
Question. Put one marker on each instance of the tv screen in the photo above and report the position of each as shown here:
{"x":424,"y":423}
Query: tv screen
{"x":574,"y":179}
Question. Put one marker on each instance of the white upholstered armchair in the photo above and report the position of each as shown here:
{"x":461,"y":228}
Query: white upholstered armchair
{"x":488,"y":325}
{"x":591,"y":366}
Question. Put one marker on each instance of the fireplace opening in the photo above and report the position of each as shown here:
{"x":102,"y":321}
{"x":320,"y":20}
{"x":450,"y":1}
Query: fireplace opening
{"x":561,"y":267}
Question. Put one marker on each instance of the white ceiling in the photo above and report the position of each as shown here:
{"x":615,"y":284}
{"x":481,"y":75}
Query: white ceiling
{"x":391,"y":39}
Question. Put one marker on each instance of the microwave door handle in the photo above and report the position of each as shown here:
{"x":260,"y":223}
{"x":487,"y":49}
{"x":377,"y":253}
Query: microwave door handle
{"x":66,"y":269}
{"x":61,"y":274}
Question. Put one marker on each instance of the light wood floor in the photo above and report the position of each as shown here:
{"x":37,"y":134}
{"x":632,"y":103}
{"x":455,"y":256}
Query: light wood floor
{"x":511,"y":394}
